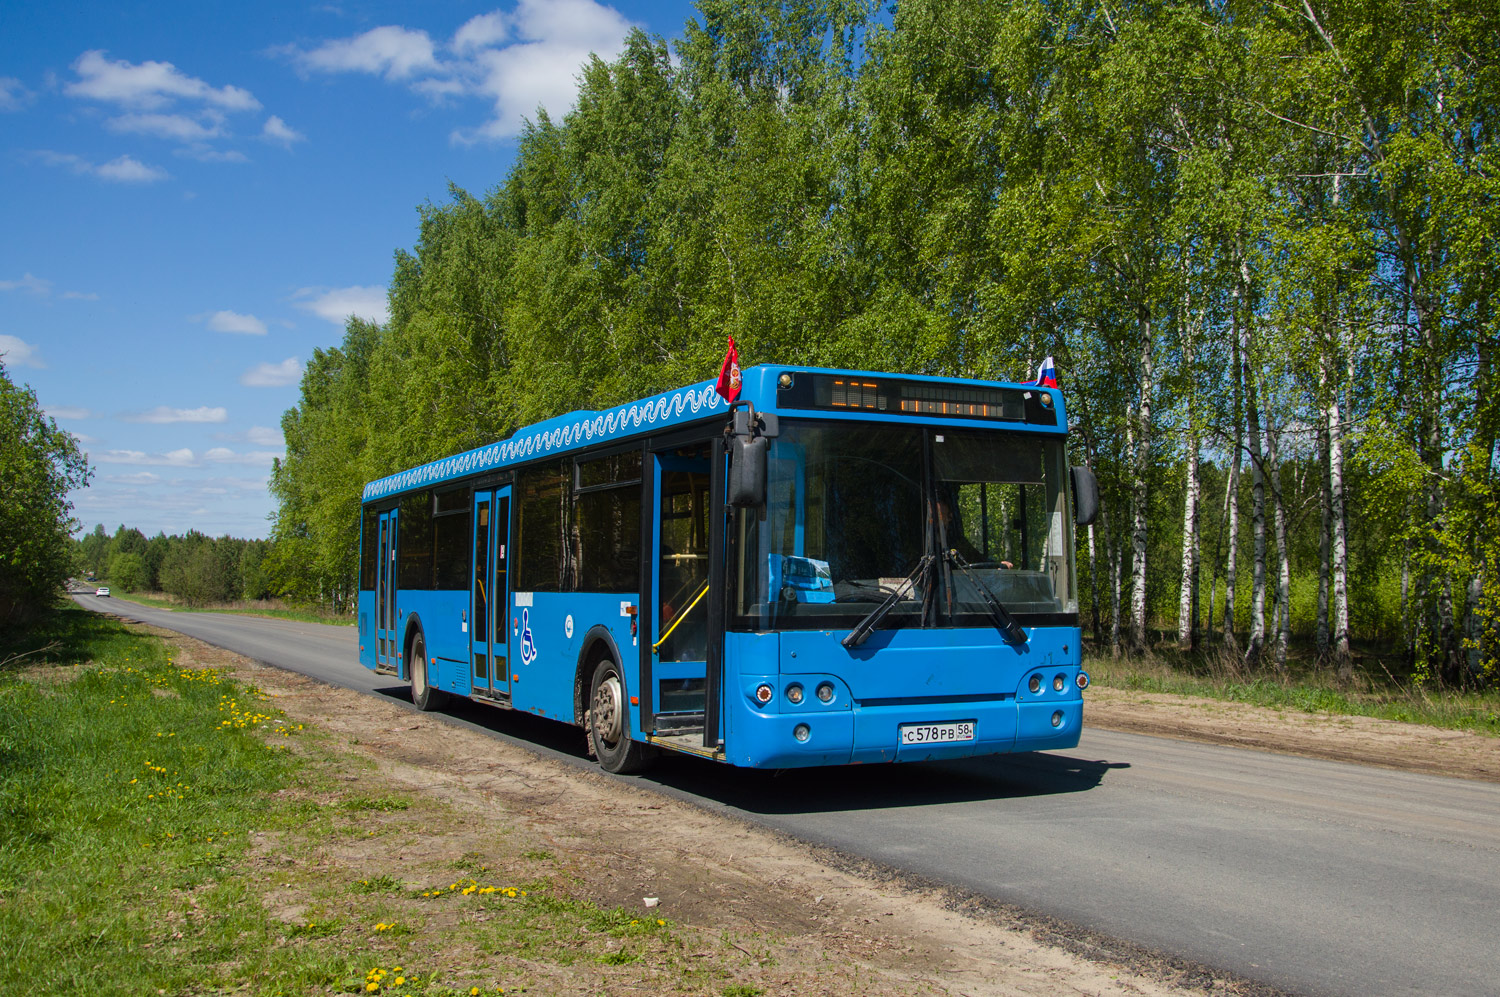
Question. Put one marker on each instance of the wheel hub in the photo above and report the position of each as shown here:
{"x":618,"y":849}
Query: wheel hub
{"x":608,"y":711}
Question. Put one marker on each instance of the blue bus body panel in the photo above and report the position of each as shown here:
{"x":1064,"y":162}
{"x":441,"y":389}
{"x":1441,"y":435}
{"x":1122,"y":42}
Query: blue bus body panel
{"x":365,"y":616}
{"x":559,"y":623}
{"x":898,"y":677}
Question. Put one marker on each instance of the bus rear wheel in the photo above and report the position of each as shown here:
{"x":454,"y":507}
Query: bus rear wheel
{"x":609,"y":724}
{"x":423,"y":695}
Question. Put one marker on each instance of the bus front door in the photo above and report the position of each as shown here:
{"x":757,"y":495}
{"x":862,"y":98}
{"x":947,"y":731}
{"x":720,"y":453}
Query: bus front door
{"x":683,"y":695}
{"x":387,"y":653}
{"x":489,"y":595}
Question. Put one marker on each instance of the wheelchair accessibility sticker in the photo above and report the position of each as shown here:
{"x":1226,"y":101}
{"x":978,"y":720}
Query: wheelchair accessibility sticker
{"x":528,"y":643}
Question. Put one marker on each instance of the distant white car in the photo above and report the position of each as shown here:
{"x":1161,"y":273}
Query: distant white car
{"x":102,"y":590}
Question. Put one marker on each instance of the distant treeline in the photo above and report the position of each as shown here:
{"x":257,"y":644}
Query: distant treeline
{"x":199,"y":570}
{"x":1259,"y":239}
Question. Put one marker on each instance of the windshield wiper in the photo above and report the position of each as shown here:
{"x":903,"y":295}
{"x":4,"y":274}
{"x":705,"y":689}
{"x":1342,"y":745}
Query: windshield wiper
{"x":1004,"y":622}
{"x":866,"y":626}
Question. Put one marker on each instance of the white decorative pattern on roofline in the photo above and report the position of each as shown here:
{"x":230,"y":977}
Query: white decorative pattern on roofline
{"x":692,"y":401}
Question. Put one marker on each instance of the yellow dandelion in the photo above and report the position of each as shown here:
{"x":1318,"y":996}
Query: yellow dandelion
{"x":400,"y":981}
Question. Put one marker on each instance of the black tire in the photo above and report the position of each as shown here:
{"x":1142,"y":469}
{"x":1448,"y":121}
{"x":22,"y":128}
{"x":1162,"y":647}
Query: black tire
{"x":608,"y":723}
{"x":423,"y":695}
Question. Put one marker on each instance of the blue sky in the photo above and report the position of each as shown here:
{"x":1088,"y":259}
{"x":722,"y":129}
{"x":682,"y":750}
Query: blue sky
{"x":195,"y":196}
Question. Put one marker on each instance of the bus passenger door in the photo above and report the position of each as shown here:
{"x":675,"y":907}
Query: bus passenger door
{"x":680,"y":635}
{"x":387,"y":653}
{"x":489,"y":595}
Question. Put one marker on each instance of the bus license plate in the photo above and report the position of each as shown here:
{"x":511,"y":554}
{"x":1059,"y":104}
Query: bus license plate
{"x":937,"y":733}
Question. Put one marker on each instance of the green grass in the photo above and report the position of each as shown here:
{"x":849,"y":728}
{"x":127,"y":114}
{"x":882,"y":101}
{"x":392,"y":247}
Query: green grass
{"x":157,"y":600}
{"x":165,"y":829}
{"x":1312,"y":690}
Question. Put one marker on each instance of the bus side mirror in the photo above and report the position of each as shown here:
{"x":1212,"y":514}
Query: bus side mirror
{"x":747,"y":471}
{"x":1085,"y":496}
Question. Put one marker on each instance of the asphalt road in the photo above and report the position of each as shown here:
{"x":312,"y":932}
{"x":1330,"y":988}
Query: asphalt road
{"x":1312,"y":877}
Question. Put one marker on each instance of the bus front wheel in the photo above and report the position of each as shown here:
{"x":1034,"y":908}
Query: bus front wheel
{"x":423,"y":695}
{"x":609,"y":723}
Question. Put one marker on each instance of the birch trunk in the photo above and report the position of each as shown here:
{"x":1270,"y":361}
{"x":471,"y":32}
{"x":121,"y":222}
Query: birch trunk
{"x":1187,"y":600}
{"x":1284,"y":565}
{"x":1138,"y":494}
{"x":1232,"y":494}
{"x":1325,"y":508}
{"x":1255,"y":642}
{"x":1342,"y":659}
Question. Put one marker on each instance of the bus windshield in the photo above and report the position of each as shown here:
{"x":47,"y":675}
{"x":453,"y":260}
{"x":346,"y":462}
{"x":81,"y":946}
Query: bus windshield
{"x":852,"y":508}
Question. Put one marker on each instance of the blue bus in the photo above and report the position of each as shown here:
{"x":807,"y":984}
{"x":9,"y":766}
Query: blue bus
{"x":837,"y":567}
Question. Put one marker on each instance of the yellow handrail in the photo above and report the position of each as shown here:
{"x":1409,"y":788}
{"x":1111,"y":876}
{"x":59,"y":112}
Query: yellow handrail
{"x":680,"y":617}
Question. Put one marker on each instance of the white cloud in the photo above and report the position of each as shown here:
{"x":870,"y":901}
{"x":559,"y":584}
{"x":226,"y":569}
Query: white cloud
{"x":265,"y":436}
{"x":276,"y":130}
{"x":138,"y":478}
{"x":13,"y":95}
{"x":338,"y":303}
{"x":208,"y":154}
{"x":515,"y":61}
{"x":393,"y":52}
{"x":80,"y":296}
{"x":149,"y":85}
{"x":35,"y":285}
{"x":164,"y":414}
{"x":18,"y":353}
{"x":479,"y":32}
{"x":226,"y":321}
{"x":273,"y":375}
{"x":224,"y":455}
{"x":68,"y":412}
{"x":126,"y":169}
{"x":179,"y":127}
{"x":173,"y":458}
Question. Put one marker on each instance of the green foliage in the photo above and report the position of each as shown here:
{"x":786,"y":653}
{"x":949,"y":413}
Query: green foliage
{"x":965,"y":189}
{"x":39,"y":464}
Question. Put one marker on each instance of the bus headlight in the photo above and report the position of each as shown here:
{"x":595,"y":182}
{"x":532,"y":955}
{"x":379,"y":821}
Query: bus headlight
{"x":1035,"y":685}
{"x":763,"y":694}
{"x":1059,"y":682}
{"x":825,"y":692}
{"x":794,"y":694}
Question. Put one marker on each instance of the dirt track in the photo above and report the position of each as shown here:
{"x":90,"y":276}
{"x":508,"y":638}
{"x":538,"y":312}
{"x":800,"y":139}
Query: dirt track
{"x":835,"y":927}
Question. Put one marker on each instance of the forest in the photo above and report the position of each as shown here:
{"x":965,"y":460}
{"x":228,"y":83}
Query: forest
{"x":1259,"y":239}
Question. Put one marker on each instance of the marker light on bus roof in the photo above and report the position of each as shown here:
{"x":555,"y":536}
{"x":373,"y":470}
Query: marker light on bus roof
{"x":785,"y":380}
{"x":1046,"y":399}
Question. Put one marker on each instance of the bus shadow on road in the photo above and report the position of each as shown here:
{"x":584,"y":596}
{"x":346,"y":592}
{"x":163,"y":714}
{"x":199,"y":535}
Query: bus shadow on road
{"x":883,"y":787}
{"x":815,"y":790}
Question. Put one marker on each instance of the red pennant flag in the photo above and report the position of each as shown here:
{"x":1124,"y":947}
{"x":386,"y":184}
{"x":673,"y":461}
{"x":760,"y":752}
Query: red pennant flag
{"x":729,"y":374}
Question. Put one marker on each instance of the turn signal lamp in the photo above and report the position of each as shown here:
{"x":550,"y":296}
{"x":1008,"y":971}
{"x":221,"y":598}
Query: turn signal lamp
{"x":763,"y":694}
{"x":794,"y":694}
{"x":1082,"y":680}
{"x":1035,"y":685}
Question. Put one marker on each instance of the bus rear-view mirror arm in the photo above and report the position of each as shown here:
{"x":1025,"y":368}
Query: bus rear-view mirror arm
{"x":749,"y":443}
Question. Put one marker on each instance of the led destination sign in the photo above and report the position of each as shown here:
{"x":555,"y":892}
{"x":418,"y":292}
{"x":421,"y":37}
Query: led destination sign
{"x":837,"y":392}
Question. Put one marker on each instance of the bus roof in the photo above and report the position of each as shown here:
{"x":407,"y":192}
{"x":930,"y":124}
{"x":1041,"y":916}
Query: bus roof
{"x":679,"y":407}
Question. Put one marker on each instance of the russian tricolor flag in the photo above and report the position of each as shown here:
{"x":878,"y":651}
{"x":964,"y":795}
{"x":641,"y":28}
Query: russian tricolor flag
{"x":1047,"y":376}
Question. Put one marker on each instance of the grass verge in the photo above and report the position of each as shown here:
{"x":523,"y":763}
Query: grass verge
{"x":276,"y":612}
{"x":166,"y":830}
{"x":1309,"y":689}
